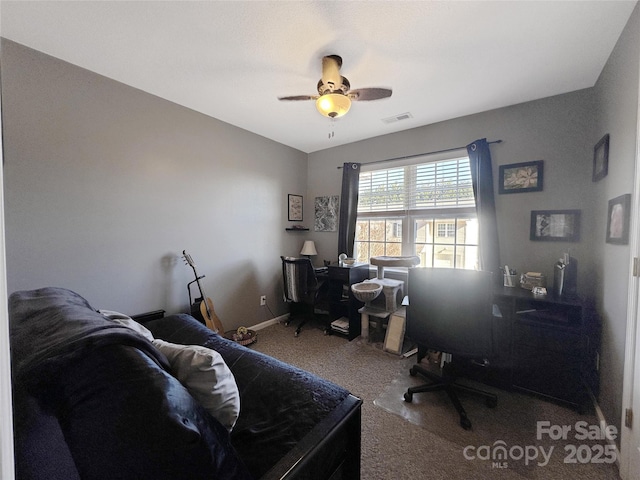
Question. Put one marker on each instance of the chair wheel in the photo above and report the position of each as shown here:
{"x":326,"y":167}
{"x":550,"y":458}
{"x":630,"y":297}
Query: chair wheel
{"x":408,"y":397}
{"x":296,"y":333}
{"x":413,"y":372}
{"x":491,"y":402}
{"x":286,"y":323}
{"x":465,"y":423}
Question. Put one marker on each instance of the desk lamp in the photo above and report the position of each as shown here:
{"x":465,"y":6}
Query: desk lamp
{"x":308,"y":249}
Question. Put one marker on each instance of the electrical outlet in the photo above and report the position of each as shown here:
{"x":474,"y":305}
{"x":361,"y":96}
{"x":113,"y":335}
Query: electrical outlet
{"x":263,"y":300}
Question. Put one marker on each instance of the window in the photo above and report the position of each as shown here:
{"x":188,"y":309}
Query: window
{"x":425,"y":209}
{"x":446,"y":229}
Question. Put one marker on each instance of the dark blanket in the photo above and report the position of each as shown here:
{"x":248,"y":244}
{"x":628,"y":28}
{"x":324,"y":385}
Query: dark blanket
{"x":121,"y":415}
{"x":53,"y":327}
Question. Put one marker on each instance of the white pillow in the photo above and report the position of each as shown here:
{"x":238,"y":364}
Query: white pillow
{"x":127,"y":321}
{"x":207,"y":377}
{"x":201,"y":370}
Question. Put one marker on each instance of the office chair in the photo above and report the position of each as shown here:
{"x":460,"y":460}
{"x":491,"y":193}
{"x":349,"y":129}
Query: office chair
{"x":301,"y":289}
{"x":450,"y":310}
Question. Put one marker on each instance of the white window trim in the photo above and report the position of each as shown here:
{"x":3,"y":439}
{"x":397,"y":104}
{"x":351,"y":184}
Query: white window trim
{"x":409,"y":216}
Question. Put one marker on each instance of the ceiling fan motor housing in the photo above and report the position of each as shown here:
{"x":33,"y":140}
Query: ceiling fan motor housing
{"x":331,"y":87}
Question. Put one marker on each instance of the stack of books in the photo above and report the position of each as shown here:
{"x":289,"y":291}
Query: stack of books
{"x":341,"y":325}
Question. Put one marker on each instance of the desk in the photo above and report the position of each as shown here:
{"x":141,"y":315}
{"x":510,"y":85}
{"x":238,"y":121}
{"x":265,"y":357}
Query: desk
{"x":547,"y":345}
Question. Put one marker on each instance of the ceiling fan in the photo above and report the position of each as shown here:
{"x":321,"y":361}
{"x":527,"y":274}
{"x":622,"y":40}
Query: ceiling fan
{"x":334,"y":95}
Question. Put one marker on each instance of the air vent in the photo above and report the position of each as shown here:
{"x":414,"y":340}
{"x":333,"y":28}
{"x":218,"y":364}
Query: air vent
{"x":397,"y":118}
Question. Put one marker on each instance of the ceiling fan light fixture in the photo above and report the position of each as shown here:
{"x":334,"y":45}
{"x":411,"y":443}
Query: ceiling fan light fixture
{"x":333,"y":105}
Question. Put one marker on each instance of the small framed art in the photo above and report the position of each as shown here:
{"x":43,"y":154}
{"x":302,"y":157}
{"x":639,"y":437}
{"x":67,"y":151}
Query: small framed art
{"x":555,"y":225}
{"x":295,"y":208}
{"x":618,"y":220}
{"x":327,"y":210}
{"x":521,"y":177}
{"x":601,"y":159}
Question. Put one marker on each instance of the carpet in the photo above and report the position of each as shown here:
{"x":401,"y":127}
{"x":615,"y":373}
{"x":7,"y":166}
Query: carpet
{"x":424,"y":440}
{"x":548,"y":435}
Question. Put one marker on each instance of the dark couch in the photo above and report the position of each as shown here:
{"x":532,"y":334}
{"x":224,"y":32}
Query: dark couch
{"x":94,"y":400}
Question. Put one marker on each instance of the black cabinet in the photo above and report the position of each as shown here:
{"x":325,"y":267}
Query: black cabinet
{"x":342,"y":303}
{"x":553,"y":345}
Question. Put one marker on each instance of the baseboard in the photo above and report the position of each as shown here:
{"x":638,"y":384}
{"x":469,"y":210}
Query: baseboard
{"x":268,"y":323}
{"x":603,"y":420}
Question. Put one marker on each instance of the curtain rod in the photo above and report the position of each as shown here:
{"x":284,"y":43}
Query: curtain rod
{"x":421,"y":154}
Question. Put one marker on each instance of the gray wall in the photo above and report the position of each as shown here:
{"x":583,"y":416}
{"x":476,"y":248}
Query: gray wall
{"x":556,"y":130}
{"x":105,"y":185}
{"x":616,"y":114}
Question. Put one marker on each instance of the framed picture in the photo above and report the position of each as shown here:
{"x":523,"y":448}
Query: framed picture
{"x":601,"y":158}
{"x":555,"y":225}
{"x":521,"y":177}
{"x":327,"y":210}
{"x":295,"y":208}
{"x":618,"y":220}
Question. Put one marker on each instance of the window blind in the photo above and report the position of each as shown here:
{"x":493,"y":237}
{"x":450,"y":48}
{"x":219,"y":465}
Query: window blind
{"x":424,"y":186}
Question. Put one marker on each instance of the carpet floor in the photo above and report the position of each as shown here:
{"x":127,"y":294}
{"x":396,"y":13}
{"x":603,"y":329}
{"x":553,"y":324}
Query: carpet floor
{"x":423,"y":439}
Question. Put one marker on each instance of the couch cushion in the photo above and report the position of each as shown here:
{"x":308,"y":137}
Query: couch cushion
{"x":40,"y":449}
{"x":125,"y":418}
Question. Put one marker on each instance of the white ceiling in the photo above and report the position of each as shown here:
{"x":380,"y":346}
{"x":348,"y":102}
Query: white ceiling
{"x":232,"y":59}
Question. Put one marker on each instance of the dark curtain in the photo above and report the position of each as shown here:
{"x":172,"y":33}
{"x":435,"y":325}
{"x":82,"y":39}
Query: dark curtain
{"x":348,"y":208}
{"x":482,"y":178}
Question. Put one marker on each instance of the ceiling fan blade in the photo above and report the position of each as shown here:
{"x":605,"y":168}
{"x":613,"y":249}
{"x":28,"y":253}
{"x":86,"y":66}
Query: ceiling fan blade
{"x":364,"y":94}
{"x":300,"y":97}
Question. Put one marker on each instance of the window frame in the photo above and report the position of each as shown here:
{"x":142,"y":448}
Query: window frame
{"x":409,"y":216}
